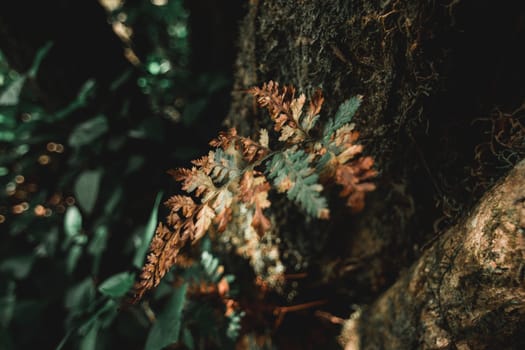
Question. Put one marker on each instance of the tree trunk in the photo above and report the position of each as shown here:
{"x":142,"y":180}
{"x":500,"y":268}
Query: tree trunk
{"x":428,"y":70}
{"x":466,"y":291}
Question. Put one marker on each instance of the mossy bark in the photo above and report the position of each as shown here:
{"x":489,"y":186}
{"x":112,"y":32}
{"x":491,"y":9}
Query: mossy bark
{"x":467,"y":291}
{"x":427,"y":70}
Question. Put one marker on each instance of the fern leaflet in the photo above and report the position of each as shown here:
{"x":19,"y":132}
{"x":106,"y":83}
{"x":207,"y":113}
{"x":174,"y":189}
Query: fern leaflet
{"x":291,"y":173}
{"x":344,"y":115}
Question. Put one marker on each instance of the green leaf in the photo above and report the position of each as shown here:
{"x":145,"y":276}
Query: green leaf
{"x":18,"y":266}
{"x":98,"y":242}
{"x":80,"y":296}
{"x":8,"y":117}
{"x":117,"y":285}
{"x":149,"y":231}
{"x":39,"y":57}
{"x":344,"y":115}
{"x":7,"y":305}
{"x":89,"y":341}
{"x":11,"y":95}
{"x":96,"y":247}
{"x":210,"y":265}
{"x":7,"y":136}
{"x":85,"y":92}
{"x":102,"y":316}
{"x":121,"y":80}
{"x":234,"y":324}
{"x":114,"y":201}
{"x":187,"y":339}
{"x":88,"y":131}
{"x":86,"y":189}
{"x":72,"y":222}
{"x":73,"y":256}
{"x":166,"y":329}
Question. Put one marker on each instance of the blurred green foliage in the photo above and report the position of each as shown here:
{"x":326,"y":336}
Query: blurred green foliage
{"x":80,"y":192}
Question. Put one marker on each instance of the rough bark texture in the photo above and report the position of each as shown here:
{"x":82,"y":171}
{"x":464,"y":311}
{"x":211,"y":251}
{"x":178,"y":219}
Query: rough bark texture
{"x":427,"y":70}
{"x":467,"y":291}
{"x":349,"y":48}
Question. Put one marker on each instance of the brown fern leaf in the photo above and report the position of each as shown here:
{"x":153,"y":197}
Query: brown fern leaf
{"x":316,"y":102}
{"x":251,"y":150}
{"x":189,"y":222}
{"x":253,"y":190}
{"x":347,"y":168}
{"x":204,"y":218}
{"x":194,"y":179}
{"x":276,"y":101}
{"x":162,"y":255}
{"x":223,"y":218}
{"x":285,"y":110}
{"x":205,"y":163}
{"x":179,"y":202}
{"x":225,"y":139}
{"x":352,"y":177}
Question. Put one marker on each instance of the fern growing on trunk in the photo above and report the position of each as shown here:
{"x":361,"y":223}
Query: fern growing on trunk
{"x":228,"y":188}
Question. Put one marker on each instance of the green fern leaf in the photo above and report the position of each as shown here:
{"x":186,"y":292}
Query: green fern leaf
{"x":344,"y":115}
{"x":210,"y":265}
{"x":291,"y":173}
{"x":225,"y":167}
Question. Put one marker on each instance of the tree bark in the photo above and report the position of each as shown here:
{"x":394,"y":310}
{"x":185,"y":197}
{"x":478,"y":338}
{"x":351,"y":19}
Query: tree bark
{"x":467,"y":291}
{"x":427,"y":70}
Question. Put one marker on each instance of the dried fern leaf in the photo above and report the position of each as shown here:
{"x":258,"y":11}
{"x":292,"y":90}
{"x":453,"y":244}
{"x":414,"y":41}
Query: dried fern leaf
{"x":162,"y":255}
{"x":253,"y":190}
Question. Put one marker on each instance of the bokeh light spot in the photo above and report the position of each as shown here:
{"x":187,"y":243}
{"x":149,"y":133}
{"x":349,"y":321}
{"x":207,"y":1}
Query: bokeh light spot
{"x":44,"y":159}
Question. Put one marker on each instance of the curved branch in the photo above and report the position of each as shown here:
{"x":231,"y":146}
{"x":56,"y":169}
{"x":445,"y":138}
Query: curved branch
{"x":467,"y":291}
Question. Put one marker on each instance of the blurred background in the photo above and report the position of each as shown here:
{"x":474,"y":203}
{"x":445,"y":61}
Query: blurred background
{"x":97,"y":101}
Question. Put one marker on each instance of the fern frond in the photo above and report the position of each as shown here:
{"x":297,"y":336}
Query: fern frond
{"x":342,"y":162}
{"x":194,"y":179}
{"x":291,"y":173}
{"x":179,"y":202}
{"x":285,"y":110}
{"x":203,"y":221}
{"x":225,"y":139}
{"x":205,"y":164}
{"x":264,"y":139}
{"x":251,"y":150}
{"x":312,"y":115}
{"x":229,"y":186}
{"x":352,"y":178}
{"x":163,"y":251}
{"x":253,"y":191}
{"x":343,"y":116}
{"x":276,"y":100}
{"x":224,"y":167}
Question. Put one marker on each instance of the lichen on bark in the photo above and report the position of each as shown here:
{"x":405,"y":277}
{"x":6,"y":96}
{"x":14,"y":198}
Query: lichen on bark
{"x":467,"y":291}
